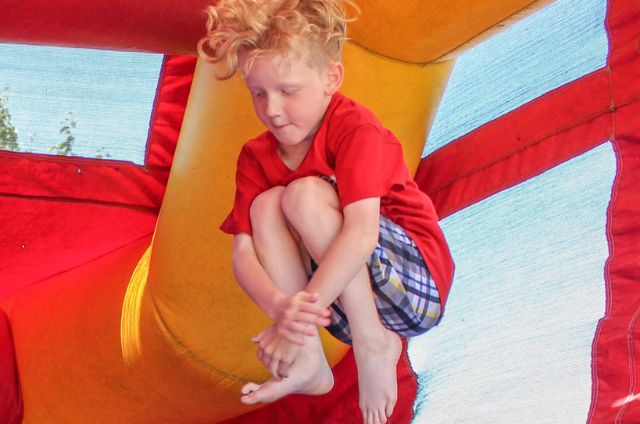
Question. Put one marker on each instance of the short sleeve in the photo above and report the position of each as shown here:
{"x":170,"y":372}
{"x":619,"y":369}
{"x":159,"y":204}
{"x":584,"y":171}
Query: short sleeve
{"x":369,"y":163}
{"x":250,"y":182}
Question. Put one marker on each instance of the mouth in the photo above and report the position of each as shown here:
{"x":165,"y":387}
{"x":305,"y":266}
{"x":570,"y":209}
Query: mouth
{"x":279,"y":127}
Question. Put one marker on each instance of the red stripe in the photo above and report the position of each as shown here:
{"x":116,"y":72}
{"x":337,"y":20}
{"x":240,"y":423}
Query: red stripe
{"x":523,"y":143}
{"x":168,"y":112}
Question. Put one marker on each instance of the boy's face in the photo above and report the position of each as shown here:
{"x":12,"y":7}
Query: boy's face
{"x":290,"y":97}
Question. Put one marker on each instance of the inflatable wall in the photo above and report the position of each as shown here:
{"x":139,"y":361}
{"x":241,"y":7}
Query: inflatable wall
{"x":111,"y":231}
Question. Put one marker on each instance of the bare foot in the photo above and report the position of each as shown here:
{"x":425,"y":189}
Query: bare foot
{"x":377,"y":377}
{"x":310,"y":374}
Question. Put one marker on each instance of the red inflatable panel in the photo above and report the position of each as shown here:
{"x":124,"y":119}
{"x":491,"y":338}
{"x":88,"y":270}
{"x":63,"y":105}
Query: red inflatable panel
{"x":60,"y":212}
{"x":163,"y":26}
{"x":10,"y":398}
{"x":616,"y":375}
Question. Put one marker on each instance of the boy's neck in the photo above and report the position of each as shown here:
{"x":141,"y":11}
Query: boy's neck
{"x":292,"y":156}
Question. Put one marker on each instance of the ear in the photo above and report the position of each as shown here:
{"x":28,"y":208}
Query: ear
{"x":335,"y":76}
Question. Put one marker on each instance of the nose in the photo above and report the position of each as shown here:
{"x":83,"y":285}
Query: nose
{"x":273,"y":106}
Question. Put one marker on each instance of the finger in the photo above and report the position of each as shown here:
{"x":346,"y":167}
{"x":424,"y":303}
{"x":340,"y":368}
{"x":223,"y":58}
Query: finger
{"x":303,"y":323}
{"x":314,"y":309}
{"x":257,"y":338}
{"x":292,"y":337}
{"x":324,"y":322}
{"x":286,"y":333}
{"x":273,"y":368}
{"x":283,"y":370}
{"x":308,"y":319}
{"x":308,"y":296}
{"x":286,"y":326}
{"x":300,"y":328}
{"x":264,"y":343}
{"x":266,"y":361}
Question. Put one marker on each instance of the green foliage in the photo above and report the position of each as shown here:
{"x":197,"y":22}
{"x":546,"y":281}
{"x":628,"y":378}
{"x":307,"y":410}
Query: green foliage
{"x":8,"y":133}
{"x":102,"y":154}
{"x":65,"y":148}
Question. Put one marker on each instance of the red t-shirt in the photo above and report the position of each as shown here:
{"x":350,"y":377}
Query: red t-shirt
{"x":366,"y":160}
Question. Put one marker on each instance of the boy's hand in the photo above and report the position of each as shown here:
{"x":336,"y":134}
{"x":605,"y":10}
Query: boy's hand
{"x":298,"y":315}
{"x":276,"y":353}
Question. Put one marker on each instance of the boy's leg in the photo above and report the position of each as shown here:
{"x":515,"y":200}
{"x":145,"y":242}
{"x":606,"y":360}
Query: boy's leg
{"x":276,"y":248}
{"x":312,"y":207}
{"x":278,"y":252}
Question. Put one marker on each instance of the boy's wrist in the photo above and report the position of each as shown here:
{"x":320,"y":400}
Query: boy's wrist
{"x":272,"y":309}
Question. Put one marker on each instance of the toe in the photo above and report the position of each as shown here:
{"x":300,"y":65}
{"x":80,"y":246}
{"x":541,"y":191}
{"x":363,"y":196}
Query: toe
{"x":382,"y":416}
{"x":389,"y":409}
{"x":249,"y":388}
{"x":256,"y":394}
{"x":376,"y":417}
{"x":249,"y":399}
{"x":368,"y":417}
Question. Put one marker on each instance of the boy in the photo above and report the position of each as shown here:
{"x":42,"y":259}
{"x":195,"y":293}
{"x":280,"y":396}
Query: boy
{"x":329,"y":227}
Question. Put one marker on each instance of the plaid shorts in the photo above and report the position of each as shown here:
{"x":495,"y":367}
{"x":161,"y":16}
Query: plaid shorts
{"x":405,"y":295}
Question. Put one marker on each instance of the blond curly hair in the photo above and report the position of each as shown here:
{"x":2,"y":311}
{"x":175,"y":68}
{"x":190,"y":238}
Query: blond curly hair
{"x":274,"y":27}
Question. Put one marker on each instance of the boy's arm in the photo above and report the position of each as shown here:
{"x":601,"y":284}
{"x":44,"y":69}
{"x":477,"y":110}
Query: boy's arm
{"x":255,"y":281}
{"x":274,"y":352}
{"x":251,"y":276}
{"x":349,"y":251}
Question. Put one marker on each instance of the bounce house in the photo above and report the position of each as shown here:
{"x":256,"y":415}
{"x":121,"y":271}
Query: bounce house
{"x":518,"y":117}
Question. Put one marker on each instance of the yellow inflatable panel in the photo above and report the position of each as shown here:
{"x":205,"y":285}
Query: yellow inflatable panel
{"x":423,"y":31}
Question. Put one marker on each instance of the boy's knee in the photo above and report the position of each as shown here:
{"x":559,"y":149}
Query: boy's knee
{"x":307,"y":195}
{"x":266,"y":204}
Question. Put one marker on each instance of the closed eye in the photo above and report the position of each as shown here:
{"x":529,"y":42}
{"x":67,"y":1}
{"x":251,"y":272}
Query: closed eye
{"x":289,"y":90}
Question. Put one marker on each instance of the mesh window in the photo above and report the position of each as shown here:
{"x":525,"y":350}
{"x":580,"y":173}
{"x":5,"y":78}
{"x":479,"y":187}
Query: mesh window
{"x":515,"y":343}
{"x":550,"y":48}
{"x":76,"y":102}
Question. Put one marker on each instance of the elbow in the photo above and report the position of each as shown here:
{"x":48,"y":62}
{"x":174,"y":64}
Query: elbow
{"x":366,"y":240}
{"x":362,"y":236}
{"x":370,"y":242}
